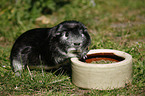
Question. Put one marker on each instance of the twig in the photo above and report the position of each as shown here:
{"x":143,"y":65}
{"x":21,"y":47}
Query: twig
{"x":29,"y":72}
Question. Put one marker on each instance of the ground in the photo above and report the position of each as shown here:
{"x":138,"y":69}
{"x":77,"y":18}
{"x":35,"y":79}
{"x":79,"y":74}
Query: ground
{"x":113,"y":24}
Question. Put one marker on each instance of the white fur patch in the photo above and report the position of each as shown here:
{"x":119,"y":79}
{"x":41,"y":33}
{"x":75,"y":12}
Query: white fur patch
{"x":64,"y":37}
{"x":17,"y":65}
{"x":70,"y":52}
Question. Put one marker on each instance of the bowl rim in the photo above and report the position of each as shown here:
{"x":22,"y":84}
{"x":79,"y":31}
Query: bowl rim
{"x":127,"y":58}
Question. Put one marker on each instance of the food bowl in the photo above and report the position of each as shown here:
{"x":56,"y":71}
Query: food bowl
{"x":106,"y":76}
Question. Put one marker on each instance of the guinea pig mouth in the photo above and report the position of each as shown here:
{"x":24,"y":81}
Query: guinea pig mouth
{"x":73,"y":52}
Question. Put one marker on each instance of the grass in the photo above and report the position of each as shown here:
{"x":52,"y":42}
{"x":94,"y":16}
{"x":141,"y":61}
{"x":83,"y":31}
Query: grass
{"x":114,"y":24}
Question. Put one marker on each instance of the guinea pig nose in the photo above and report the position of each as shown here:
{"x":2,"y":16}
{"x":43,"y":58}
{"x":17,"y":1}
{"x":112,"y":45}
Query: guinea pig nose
{"x":77,"y":44}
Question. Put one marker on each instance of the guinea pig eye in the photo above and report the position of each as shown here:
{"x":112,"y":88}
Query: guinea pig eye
{"x":66,"y":34}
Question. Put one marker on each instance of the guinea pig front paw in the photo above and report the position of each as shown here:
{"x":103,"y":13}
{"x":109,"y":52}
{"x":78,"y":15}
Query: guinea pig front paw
{"x":83,"y":58}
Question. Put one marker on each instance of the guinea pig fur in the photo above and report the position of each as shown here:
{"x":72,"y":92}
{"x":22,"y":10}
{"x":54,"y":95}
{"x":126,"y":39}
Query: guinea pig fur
{"x":50,"y":47}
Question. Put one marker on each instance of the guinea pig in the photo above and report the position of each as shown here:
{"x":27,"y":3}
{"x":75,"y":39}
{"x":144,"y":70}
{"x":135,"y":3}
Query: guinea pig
{"x":50,"y":47}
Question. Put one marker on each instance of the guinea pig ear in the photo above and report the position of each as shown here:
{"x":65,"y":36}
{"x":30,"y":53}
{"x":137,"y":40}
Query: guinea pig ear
{"x":60,"y":28}
{"x":55,"y":31}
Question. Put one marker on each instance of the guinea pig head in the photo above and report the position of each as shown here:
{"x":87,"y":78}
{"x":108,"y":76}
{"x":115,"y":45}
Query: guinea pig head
{"x":73,"y":38}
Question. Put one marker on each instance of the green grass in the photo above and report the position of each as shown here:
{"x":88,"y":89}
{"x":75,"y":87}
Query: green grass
{"x":113,"y":24}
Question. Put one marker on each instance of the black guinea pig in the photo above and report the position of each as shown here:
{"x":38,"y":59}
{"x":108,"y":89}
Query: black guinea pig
{"x":50,"y":47}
